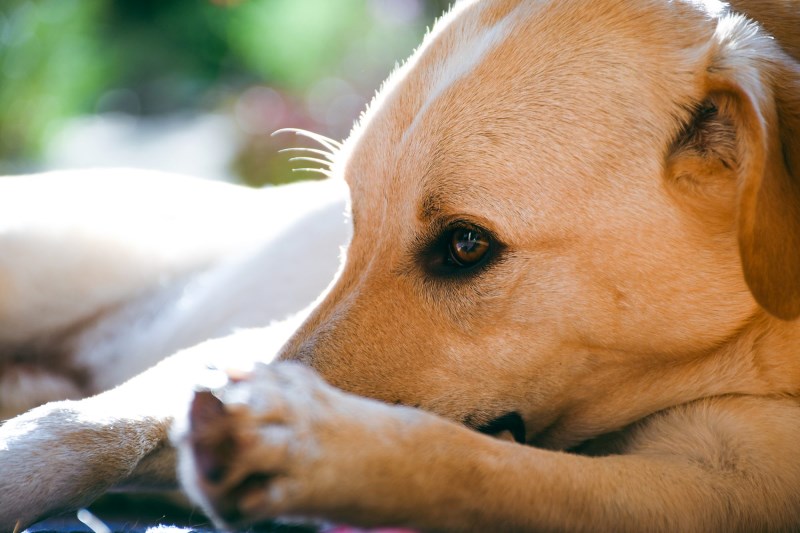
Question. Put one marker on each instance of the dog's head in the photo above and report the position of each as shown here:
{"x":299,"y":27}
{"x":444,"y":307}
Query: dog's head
{"x":564,"y":212}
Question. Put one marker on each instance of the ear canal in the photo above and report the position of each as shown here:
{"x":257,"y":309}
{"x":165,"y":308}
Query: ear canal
{"x":761,"y":95}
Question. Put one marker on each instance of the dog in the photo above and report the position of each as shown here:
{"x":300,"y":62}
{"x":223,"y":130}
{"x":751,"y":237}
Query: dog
{"x":568,"y":302}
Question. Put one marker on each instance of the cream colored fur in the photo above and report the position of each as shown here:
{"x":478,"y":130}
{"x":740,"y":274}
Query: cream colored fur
{"x":637,"y":165}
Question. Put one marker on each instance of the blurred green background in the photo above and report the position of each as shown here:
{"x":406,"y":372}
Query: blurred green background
{"x":194,"y":86}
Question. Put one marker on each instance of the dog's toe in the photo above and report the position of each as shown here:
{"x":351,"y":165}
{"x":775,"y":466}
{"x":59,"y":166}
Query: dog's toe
{"x":240,"y":439}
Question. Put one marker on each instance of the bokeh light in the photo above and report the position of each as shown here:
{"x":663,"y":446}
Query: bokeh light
{"x":190,"y":85}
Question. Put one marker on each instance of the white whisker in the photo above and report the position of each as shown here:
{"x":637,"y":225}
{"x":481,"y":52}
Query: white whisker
{"x":327,"y":142}
{"x":327,"y":155}
{"x":322,"y":171}
{"x":311,"y":160}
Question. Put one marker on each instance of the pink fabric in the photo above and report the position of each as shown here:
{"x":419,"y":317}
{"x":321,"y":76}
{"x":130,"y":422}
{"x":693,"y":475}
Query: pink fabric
{"x":347,"y":529}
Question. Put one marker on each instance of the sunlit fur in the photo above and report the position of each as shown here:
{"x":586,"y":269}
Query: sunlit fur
{"x":638,"y":162}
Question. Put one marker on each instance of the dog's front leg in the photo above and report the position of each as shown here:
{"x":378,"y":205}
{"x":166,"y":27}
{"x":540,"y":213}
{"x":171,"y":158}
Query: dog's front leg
{"x":63,"y":455}
{"x":283,"y":442}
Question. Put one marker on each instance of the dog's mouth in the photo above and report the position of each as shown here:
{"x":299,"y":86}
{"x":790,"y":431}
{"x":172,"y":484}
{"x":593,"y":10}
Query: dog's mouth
{"x":509,"y":426}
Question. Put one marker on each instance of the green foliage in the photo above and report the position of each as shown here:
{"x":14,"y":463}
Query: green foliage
{"x":50,"y":68}
{"x":64,"y":58}
{"x":293,"y":41}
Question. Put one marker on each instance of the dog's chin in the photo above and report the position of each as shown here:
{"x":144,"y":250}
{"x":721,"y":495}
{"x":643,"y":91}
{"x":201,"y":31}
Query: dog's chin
{"x":508,"y":426}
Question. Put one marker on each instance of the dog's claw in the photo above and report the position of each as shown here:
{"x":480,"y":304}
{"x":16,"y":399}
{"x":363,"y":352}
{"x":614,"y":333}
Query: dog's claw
{"x":211,"y":438}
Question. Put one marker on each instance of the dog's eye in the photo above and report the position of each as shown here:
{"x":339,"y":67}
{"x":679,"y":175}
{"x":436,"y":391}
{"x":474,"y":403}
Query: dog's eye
{"x":461,"y":249}
{"x":468,"y":246}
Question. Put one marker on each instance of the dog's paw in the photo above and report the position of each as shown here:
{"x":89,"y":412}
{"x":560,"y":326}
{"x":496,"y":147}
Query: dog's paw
{"x":281,"y":442}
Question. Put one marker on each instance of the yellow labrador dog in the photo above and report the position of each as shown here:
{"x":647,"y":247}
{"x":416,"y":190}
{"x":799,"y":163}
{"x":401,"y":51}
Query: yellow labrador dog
{"x":575,"y":224}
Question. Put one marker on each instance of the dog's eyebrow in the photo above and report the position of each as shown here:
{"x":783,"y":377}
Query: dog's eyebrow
{"x":430,"y":207}
{"x":442,"y":196}
{"x":437,"y":206}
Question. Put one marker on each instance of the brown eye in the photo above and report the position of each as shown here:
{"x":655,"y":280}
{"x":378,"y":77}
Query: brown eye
{"x":468,"y":246}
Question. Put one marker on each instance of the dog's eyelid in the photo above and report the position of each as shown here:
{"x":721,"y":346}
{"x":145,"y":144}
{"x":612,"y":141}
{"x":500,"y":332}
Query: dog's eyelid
{"x":484,"y":228}
{"x":442,"y":227}
{"x":449,"y":223}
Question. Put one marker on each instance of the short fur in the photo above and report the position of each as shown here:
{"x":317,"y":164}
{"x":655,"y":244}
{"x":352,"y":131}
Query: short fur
{"x":638,"y":164}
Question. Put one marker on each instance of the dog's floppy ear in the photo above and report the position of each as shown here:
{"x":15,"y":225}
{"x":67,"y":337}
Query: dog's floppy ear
{"x":752,"y":115}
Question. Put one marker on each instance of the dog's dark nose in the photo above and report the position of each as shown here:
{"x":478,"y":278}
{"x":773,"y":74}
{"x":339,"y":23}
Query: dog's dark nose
{"x":510,"y":422}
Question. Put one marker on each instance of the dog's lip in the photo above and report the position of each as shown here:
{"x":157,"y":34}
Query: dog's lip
{"x":510,"y":423}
